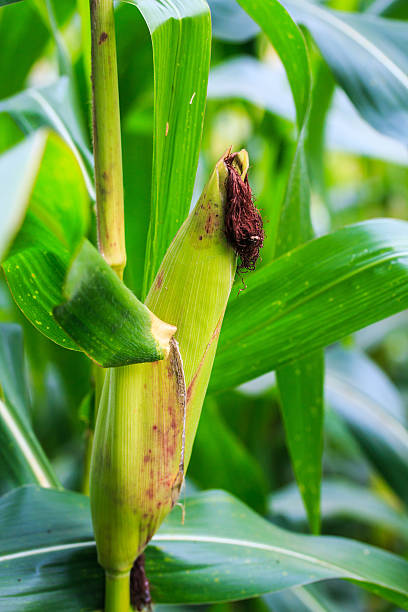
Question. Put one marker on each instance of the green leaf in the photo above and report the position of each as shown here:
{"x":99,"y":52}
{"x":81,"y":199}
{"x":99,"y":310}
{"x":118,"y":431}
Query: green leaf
{"x":289,"y":44}
{"x":373,"y":411}
{"x":345,"y":501}
{"x":301,"y":383}
{"x":18,"y":170}
{"x":344,"y":281}
{"x":181,"y":39}
{"x":301,"y":392}
{"x":4,"y":2}
{"x":68,"y":577}
{"x":19,"y":448}
{"x":322,"y":95}
{"x":373,"y":65}
{"x":208,"y":559}
{"x":102,"y":316}
{"x":53,"y":106}
{"x":56,"y":221}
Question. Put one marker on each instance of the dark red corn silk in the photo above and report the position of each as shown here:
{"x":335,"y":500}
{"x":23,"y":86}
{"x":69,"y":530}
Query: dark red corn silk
{"x":139,"y":586}
{"x":243,"y":222}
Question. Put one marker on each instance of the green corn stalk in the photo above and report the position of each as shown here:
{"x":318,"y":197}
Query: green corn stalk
{"x":149,"y":413}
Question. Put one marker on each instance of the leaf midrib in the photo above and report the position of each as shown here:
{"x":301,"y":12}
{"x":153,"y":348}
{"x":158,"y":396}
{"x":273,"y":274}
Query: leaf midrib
{"x":205,"y":540}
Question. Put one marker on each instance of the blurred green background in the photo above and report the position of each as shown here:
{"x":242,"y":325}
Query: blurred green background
{"x":356,"y":173}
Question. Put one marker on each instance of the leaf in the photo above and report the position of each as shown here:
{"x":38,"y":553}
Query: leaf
{"x":266,"y":86}
{"x":373,"y":66}
{"x":322,"y":95}
{"x":18,"y":169}
{"x":19,"y":448}
{"x":99,"y":316}
{"x":204,"y":560}
{"x":345,"y":501}
{"x":301,"y":383}
{"x":68,"y":576}
{"x":301,"y":392}
{"x":290,"y":46}
{"x":56,"y":221}
{"x":53,"y":106}
{"x":102,"y":316}
{"x":374,"y":412}
{"x":4,"y":2}
{"x":344,"y":281}
{"x":181,"y":39}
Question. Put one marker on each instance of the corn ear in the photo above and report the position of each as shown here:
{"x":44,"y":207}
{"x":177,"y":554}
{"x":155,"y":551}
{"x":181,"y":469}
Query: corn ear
{"x":147,"y":409}
{"x":192,"y":287}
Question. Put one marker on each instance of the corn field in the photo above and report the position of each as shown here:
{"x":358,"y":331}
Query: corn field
{"x":203,"y":305}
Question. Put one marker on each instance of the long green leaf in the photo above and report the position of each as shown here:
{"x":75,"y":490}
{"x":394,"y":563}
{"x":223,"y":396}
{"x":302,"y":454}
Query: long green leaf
{"x":290,"y":45}
{"x":18,"y":170}
{"x":313,"y":296}
{"x":181,"y":39}
{"x":19,"y":448}
{"x":301,"y":393}
{"x":373,"y":65}
{"x":223,"y":552}
{"x":300,"y":384}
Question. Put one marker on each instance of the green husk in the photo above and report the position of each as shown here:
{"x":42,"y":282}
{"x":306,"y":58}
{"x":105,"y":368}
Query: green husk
{"x":138,"y":464}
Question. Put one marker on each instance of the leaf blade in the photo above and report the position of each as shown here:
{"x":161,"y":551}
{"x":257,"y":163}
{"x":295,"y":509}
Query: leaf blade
{"x":183,"y":562}
{"x":363,"y":264}
{"x":181,"y":38}
{"x":373,"y":70}
{"x":301,"y":383}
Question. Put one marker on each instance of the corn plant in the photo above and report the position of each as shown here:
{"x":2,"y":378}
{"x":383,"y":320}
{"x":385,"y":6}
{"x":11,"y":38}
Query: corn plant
{"x":157,"y":345}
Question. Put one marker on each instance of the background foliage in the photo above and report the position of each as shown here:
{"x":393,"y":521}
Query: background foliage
{"x":317,"y":92}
